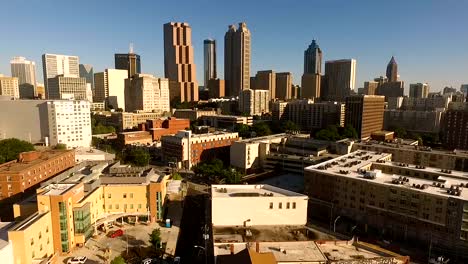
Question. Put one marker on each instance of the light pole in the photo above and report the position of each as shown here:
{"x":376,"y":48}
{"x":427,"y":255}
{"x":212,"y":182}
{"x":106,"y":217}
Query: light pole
{"x":334,"y":223}
{"x":204,"y":250}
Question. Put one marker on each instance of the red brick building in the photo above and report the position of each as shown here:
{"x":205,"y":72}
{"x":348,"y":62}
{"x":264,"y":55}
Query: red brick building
{"x":169,"y":126}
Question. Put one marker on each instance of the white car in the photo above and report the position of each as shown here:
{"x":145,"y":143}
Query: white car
{"x":77,"y":260}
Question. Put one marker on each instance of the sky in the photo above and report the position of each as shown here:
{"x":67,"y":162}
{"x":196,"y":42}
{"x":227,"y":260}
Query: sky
{"x":428,"y":38}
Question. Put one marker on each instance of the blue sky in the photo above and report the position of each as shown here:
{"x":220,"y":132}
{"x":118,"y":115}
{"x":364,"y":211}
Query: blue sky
{"x":428,"y":38}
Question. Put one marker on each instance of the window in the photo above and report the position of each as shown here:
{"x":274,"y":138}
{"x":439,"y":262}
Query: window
{"x":280,"y":206}
{"x":110,"y":206}
{"x":271,"y":205}
{"x":117,"y":206}
{"x":40,"y":235}
{"x":131,"y":195}
{"x":109,"y":196}
{"x":131,"y":206}
{"x":294,"y":205}
{"x":124,"y":195}
{"x":32,"y":241}
{"x":125,"y":206}
{"x":139,"y":206}
{"x":287,"y":205}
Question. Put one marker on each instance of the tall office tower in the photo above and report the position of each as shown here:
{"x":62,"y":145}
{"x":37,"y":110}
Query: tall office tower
{"x":217,"y":88}
{"x":110,"y":88}
{"x":9,"y":86}
{"x":147,"y":93}
{"x":237,"y":56}
{"x":310,"y":86}
{"x":87,"y":71}
{"x":284,"y":86}
{"x":370,"y":88}
{"x":313,"y":59}
{"x":68,"y":87}
{"x":340,"y":77}
{"x":365,"y":113}
{"x":392,"y":70}
{"x":128,"y":61}
{"x":54,"y":65}
{"x":209,"y":71}
{"x":254,"y":102}
{"x":266,"y":80}
{"x":25,"y":71}
{"x":419,"y":90}
{"x":179,"y":66}
{"x":455,"y":125}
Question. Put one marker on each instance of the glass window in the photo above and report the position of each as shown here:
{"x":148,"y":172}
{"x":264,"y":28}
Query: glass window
{"x":271,"y":205}
{"x":124,"y":195}
{"x":131,"y":195}
{"x":287,"y":205}
{"x":294,"y":205}
{"x":280,"y":206}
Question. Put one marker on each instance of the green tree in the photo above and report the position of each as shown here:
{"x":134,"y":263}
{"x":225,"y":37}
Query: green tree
{"x":400,"y":132}
{"x":11,"y":148}
{"x":232,"y":176}
{"x":243,"y":130}
{"x":176,"y":176}
{"x":61,"y":146}
{"x":289,"y":126}
{"x":118,"y":260}
{"x":261,"y":129}
{"x":349,"y":132}
{"x":155,"y":238}
{"x":137,"y":157}
{"x":330,"y":134}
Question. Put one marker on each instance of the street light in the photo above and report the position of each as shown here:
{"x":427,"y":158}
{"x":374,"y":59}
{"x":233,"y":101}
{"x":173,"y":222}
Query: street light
{"x":334,"y":223}
{"x":204,"y":250}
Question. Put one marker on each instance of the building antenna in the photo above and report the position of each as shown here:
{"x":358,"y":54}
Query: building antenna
{"x":130,"y":48}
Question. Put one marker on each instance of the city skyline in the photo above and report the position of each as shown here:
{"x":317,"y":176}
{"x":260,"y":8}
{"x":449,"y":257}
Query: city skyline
{"x":346,"y":37}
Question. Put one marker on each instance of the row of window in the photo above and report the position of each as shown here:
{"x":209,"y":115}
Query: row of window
{"x":280,"y":205}
{"x":124,"y":195}
{"x":125,"y":206}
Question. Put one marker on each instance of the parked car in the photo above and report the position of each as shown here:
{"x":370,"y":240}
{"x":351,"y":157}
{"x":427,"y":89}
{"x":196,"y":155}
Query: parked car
{"x":147,"y":261}
{"x":116,"y":233}
{"x":77,"y":260}
{"x":176,"y":260}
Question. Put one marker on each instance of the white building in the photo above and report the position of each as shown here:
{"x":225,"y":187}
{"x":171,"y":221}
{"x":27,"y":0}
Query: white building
{"x":67,"y":86}
{"x":110,"y":87}
{"x":54,"y":64}
{"x":6,"y":246}
{"x":25,"y":71}
{"x":254,"y":102}
{"x":9,"y":86}
{"x":257,"y":205}
{"x":47,"y":121}
{"x":147,"y":93}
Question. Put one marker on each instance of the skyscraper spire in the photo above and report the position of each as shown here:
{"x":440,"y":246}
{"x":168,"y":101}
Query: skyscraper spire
{"x":313,"y":59}
{"x":130,"y":48}
{"x":392,"y":70}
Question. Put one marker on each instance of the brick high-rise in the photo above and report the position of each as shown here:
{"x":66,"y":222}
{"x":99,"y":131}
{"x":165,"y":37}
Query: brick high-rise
{"x":455,"y":126}
{"x":179,"y":66}
{"x":365,"y":113}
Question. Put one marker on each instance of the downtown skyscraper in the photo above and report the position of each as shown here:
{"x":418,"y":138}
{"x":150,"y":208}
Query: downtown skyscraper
{"x":55,"y":64}
{"x":209,"y":60}
{"x":392,"y":70}
{"x":340,"y":76}
{"x":237,"y":57}
{"x":179,"y":66}
{"x":313,"y":59}
{"x":25,"y":71}
{"x":128,"y":61}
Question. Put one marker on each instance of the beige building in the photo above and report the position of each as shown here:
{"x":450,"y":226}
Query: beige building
{"x":310,"y":86}
{"x":147,"y":93}
{"x":340,"y":78}
{"x":414,"y":121}
{"x":179,"y":66}
{"x":217,"y":88}
{"x":419,"y":90}
{"x":256,"y":205}
{"x":25,"y":71}
{"x":9,"y":86}
{"x":68,"y":87}
{"x":365,"y":113}
{"x":40,"y":91}
{"x":125,"y":120}
{"x":56,"y":64}
{"x":284,"y":86}
{"x":109,"y":86}
{"x":225,"y":121}
{"x":424,"y":205}
{"x":194,"y":114}
{"x":254,"y":102}
{"x":266,"y":80}
{"x":237,"y":56}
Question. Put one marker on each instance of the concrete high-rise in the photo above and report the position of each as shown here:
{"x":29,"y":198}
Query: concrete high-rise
{"x":68,"y":87}
{"x":419,"y":90}
{"x":340,"y":77}
{"x":313,"y":59}
{"x":179,"y":66}
{"x":392,"y":70}
{"x":237,"y":55}
{"x":310,"y":86}
{"x":209,"y":59}
{"x":25,"y":71}
{"x":266,"y":80}
{"x":365,"y":113}
{"x":55,"y":64}
{"x":128,"y":61}
{"x":9,"y":86}
{"x":110,"y":87}
{"x":455,"y":125}
{"x":144,"y":92}
{"x":284,"y":86}
{"x":254,"y":102}
{"x":217,"y":88}
{"x":87,"y":72}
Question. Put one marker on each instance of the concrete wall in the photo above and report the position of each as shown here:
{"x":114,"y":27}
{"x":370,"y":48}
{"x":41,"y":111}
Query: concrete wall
{"x":234,"y":211}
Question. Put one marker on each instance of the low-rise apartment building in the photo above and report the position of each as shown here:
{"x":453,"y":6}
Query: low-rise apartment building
{"x":226,"y":121}
{"x":194,"y":114}
{"x":400,"y":201}
{"x":167,"y":126}
{"x":186,"y":149}
{"x":124,"y":120}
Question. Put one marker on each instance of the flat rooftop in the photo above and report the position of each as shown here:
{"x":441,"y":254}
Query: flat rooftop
{"x":4,"y":233}
{"x":58,"y":189}
{"x":312,"y":252}
{"x":277,"y":233}
{"x":353,"y":164}
{"x":250,"y":191}
{"x":28,"y":221}
{"x":12,"y":167}
{"x":265,"y":138}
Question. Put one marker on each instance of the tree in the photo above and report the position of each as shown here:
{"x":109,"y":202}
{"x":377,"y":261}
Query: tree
{"x":155,"y":238}
{"x":137,"y":157}
{"x":61,"y":146}
{"x":289,"y":126}
{"x":330,"y":134}
{"x":400,"y":132}
{"x":232,"y":176}
{"x":12,"y":147}
{"x":261,"y":129}
{"x":349,"y":132}
{"x":243,"y":130}
{"x":118,"y":260}
{"x":176,"y":176}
